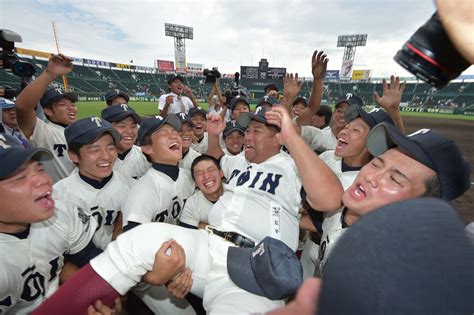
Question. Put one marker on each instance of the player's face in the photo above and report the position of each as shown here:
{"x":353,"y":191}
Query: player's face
{"x":234,"y":142}
{"x":391,"y":177}
{"x":165,"y":146}
{"x":9,"y":117}
{"x":128,"y":130}
{"x":201,"y":123}
{"x":26,"y":197}
{"x":338,"y":116}
{"x":351,"y":141}
{"x":186,"y":134}
{"x":63,"y":112}
{"x":119,"y":100}
{"x":176,"y":87}
{"x":239,"y":108}
{"x":96,"y":160}
{"x":298,"y":109}
{"x":260,"y":142}
{"x":318,"y":121}
{"x":207,"y":177}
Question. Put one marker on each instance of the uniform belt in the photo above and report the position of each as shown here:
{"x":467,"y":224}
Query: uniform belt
{"x":234,"y":237}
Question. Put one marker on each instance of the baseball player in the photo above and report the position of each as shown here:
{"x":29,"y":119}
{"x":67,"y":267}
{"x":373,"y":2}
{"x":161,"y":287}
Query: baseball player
{"x":174,"y":102}
{"x":60,"y":110}
{"x":37,"y":234}
{"x":93,"y":184}
{"x":131,"y":162}
{"x":207,"y":176}
{"x":233,"y":136}
{"x":238,"y":104}
{"x":116,"y":97}
{"x":187,"y":134}
{"x":199,"y":118}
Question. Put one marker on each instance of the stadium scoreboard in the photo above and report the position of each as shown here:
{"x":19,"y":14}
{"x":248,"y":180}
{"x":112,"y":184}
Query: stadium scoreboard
{"x":256,"y":78}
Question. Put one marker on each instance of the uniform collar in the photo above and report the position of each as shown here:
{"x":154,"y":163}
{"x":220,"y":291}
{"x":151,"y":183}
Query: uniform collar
{"x":171,"y":170}
{"x":95,"y":183}
{"x":122,"y":156}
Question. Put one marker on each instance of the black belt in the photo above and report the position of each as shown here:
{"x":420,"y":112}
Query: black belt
{"x":233,"y":237}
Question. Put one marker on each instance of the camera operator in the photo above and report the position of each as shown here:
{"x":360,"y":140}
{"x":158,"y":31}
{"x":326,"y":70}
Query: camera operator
{"x":216,"y":102}
{"x":8,"y":122}
{"x":174,"y":102}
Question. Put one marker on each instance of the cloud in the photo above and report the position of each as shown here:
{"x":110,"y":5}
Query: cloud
{"x":226,"y":34}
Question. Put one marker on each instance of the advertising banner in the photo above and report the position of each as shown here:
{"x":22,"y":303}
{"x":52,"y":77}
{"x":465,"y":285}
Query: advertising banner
{"x":165,"y":65}
{"x":31,"y":52}
{"x":346,"y":69}
{"x":358,"y":75}
{"x":332,"y":75}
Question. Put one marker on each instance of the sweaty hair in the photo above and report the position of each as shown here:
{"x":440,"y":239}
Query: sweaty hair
{"x":433,"y":187}
{"x":204,"y":157}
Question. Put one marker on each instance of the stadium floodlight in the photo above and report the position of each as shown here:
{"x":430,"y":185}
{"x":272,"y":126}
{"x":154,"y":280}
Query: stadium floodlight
{"x":180,"y":33}
{"x":349,"y":42}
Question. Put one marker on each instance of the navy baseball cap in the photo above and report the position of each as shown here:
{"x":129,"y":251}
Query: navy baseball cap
{"x":372,"y":118}
{"x":270,"y":269}
{"x":185,"y":118}
{"x":350,"y":99}
{"x":236,"y":99}
{"x":55,"y":95}
{"x":300,"y":99}
{"x":119,"y":112}
{"x":232,"y":126}
{"x":410,"y":257}
{"x":86,"y":130}
{"x":267,"y":100}
{"x":259,"y":115}
{"x":197,"y":111}
{"x":13,"y":155}
{"x":152,"y":124}
{"x":173,"y":77}
{"x":110,"y":95}
{"x":429,"y":148}
{"x":6,"y":103}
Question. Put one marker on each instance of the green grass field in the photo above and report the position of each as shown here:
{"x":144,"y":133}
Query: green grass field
{"x":87,"y":109}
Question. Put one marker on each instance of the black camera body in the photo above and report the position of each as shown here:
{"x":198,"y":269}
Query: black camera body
{"x":211,"y":75}
{"x":431,"y":56}
{"x":9,"y":60}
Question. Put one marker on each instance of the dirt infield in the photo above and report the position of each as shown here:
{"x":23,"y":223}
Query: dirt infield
{"x":462,"y":132}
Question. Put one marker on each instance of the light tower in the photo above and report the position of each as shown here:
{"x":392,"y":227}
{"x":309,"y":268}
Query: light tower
{"x":349,"y":42}
{"x":180,"y":33}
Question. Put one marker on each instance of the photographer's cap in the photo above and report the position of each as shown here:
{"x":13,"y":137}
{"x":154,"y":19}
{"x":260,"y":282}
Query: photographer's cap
{"x":236,"y":99}
{"x":267,"y":100}
{"x":429,"y":148}
{"x":55,"y":95}
{"x":110,"y":95}
{"x":350,"y":99}
{"x":86,"y":130}
{"x":372,"y":118}
{"x":197,"y":111}
{"x":184,"y":118}
{"x":13,"y":155}
{"x":150,"y":125}
{"x":173,"y":77}
{"x":6,"y":103}
{"x":116,"y":113}
{"x":232,"y":126}
{"x":270,"y":269}
{"x":259,"y":115}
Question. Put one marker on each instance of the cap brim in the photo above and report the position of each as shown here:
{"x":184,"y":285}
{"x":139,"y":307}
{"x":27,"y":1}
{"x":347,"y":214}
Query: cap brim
{"x":121,"y":116}
{"x":89,"y":137}
{"x":18,"y":156}
{"x":245,"y":119}
{"x":229,"y":131}
{"x":385,"y":136}
{"x":70,"y":96}
{"x":355,"y":111}
{"x":240,"y":269}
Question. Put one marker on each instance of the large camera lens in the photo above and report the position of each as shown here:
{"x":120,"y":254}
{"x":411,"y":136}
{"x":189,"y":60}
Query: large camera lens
{"x":430,"y":55}
{"x":23,"y":69}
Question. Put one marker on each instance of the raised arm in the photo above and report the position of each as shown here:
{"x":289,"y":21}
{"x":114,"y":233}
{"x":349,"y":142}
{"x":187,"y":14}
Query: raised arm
{"x":324,"y":191}
{"x":30,"y":96}
{"x":319,"y":63}
{"x":211,"y":95}
{"x":291,"y":87}
{"x":189,"y":93}
{"x":391,"y":98}
{"x":215,"y":126}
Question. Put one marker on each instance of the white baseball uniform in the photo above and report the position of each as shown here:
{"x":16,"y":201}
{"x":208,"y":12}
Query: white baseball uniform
{"x":175,"y":107}
{"x":104,"y":204}
{"x":51,"y":136}
{"x":157,"y":197}
{"x":196,"y":209}
{"x":335,"y":164}
{"x":134,"y":164}
{"x":30,"y":265}
{"x":202,"y":145}
{"x":319,"y":139}
{"x":188,"y":159}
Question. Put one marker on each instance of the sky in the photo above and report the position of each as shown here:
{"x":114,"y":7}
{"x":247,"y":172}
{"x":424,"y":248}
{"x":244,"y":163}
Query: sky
{"x":227,"y":34}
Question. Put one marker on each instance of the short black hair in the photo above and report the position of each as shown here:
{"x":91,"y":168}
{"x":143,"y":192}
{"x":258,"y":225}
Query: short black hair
{"x":433,"y":187}
{"x":204,"y":157}
{"x":147,"y":141}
